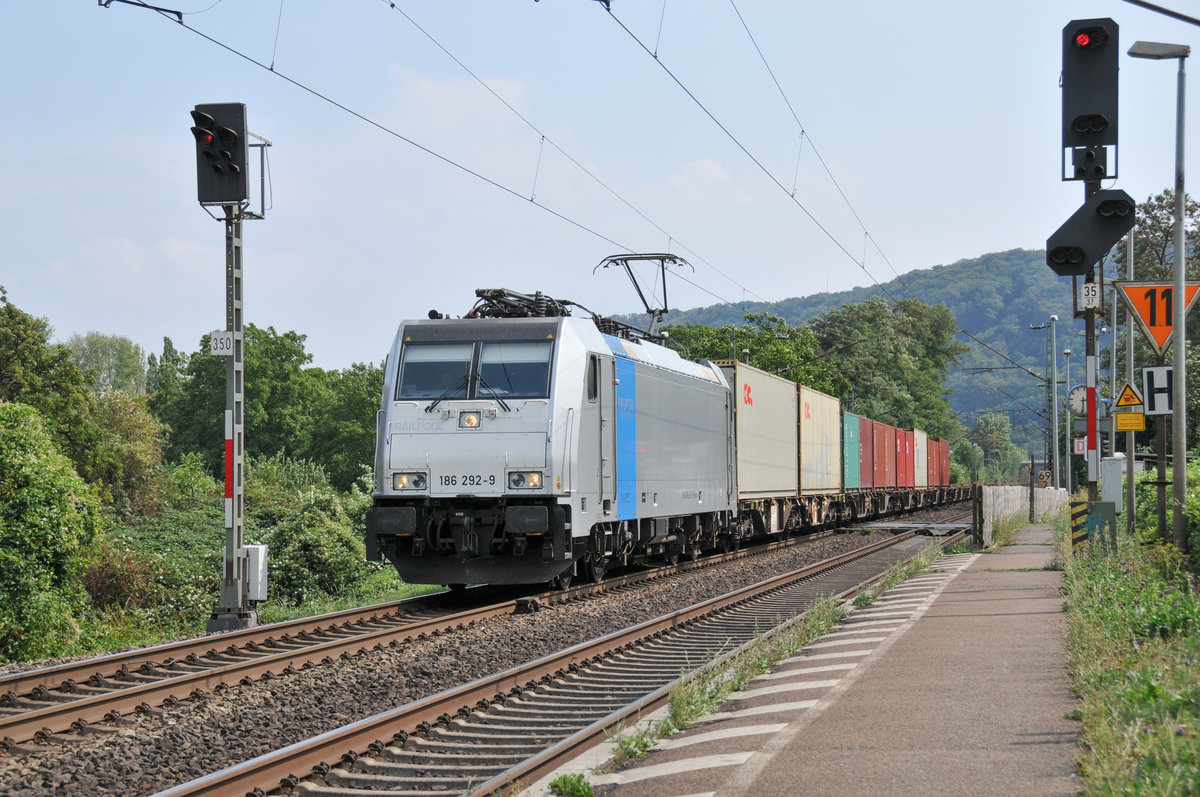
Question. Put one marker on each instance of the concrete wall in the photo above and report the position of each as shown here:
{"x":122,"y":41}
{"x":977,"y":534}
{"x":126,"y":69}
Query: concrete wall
{"x":1001,"y":501}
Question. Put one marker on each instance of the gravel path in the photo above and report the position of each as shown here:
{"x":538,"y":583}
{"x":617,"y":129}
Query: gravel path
{"x":151,"y":752}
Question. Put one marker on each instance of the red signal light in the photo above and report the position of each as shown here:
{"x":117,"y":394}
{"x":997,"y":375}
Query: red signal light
{"x":1090,"y":38}
{"x":206,"y":138}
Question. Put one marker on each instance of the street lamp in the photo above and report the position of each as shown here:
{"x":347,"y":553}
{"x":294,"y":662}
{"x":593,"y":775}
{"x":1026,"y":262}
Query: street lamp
{"x":1067,"y":433}
{"x":1054,"y":397}
{"x":1052,"y":355}
{"x":1159,"y":51}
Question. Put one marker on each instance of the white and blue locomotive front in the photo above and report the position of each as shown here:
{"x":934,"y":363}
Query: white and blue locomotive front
{"x":520,"y":450}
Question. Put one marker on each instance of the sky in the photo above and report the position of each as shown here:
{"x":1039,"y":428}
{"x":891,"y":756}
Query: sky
{"x":424,"y":149}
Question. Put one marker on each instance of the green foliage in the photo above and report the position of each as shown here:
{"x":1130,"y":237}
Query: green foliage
{"x":343,"y":424}
{"x":314,"y":549}
{"x":979,"y":297}
{"x":896,"y":358}
{"x":766,"y":342}
{"x":1133,"y":618}
{"x":290,"y":409}
{"x":998,"y":458}
{"x":573,"y":785}
{"x":34,"y":372}
{"x":129,"y":453}
{"x":114,"y":362}
{"x":47,"y":516}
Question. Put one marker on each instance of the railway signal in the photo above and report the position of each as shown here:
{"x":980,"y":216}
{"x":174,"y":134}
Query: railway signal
{"x":222,"y":151}
{"x":1089,"y":84}
{"x":1090,"y":232}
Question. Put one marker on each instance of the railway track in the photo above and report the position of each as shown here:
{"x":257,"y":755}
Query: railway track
{"x":517,"y":725}
{"x":68,"y":697}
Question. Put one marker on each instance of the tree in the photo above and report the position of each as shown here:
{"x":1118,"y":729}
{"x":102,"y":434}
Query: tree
{"x":47,"y":516}
{"x":765,"y":341}
{"x":44,"y":376}
{"x":343,"y":429}
{"x":278,"y":403}
{"x":128,"y":454}
{"x":116,"y":363}
{"x":895,"y":358}
{"x":993,"y":435}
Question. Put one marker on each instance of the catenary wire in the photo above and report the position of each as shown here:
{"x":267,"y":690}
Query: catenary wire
{"x":804,"y":134}
{"x":546,"y":139}
{"x":737,"y":142}
{"x":384,"y":128}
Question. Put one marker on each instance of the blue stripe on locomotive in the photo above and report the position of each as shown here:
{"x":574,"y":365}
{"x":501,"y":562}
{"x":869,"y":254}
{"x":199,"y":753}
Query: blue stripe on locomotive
{"x":626,"y":433}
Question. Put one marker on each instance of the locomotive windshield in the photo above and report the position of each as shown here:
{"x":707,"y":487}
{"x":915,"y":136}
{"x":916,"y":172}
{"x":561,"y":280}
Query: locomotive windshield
{"x":515,"y":370}
{"x":501,"y":369}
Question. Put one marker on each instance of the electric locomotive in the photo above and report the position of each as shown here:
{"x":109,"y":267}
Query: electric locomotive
{"x":519,"y":444}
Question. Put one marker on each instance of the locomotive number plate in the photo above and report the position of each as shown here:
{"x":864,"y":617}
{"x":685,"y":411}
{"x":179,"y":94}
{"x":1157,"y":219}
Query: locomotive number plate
{"x":466,"y":480}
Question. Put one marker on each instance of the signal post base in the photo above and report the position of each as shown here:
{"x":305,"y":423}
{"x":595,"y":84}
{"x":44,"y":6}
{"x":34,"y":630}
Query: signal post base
{"x":230,"y":621}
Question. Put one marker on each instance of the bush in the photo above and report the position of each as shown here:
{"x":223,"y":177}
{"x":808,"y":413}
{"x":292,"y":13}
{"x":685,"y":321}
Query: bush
{"x":47,"y":517}
{"x":314,"y":548}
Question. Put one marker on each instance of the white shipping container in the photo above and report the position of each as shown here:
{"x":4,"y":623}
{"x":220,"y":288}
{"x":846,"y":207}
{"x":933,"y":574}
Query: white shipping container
{"x":765,"y":418}
{"x":920,"y":459}
{"x":820,"y":442}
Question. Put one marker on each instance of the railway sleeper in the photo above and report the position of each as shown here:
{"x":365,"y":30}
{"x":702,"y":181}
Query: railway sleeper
{"x":461,"y":766}
{"x":456,"y":742}
{"x":415,"y":757}
{"x":348,"y":779}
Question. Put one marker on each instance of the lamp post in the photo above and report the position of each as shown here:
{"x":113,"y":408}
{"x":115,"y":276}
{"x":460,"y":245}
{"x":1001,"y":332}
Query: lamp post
{"x":1159,"y":51}
{"x":1054,"y":399}
{"x":1067,"y":432}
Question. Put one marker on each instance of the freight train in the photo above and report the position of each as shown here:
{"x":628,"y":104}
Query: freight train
{"x":519,"y":444}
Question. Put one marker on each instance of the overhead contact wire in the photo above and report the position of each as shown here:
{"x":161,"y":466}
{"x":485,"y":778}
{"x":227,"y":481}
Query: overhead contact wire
{"x":737,"y":142}
{"x":547,"y":140}
{"x":378,"y":125}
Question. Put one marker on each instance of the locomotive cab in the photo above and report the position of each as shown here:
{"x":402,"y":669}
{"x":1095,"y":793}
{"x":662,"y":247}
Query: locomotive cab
{"x":465,"y":480}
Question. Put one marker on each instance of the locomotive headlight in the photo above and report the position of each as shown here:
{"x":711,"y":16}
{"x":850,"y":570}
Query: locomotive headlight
{"x":408,"y":481}
{"x":468,"y":419}
{"x":529,"y":480}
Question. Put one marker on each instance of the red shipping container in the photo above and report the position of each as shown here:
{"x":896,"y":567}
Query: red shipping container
{"x":866,"y":453}
{"x":879,"y":459}
{"x":904,"y":458}
{"x":889,"y":457}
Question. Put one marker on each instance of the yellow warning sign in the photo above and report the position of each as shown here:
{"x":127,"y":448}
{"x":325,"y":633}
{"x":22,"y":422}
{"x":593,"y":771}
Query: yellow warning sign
{"x":1129,"y":421}
{"x":1129,"y":397}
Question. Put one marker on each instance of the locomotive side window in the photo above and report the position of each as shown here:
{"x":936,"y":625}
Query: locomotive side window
{"x":434,"y":370}
{"x":515,"y":370}
{"x":593,"y":378}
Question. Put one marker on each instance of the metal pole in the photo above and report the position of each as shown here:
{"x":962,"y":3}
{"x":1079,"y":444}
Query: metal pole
{"x":1130,"y":453}
{"x":233,"y":609}
{"x":1179,"y":399}
{"x":1054,"y":399}
{"x":1067,"y":430}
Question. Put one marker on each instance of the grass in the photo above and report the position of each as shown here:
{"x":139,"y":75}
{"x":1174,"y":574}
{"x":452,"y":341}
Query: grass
{"x":898,"y":573}
{"x":703,"y":693}
{"x":1005,"y":530}
{"x":574,"y":785}
{"x":1133,"y":619}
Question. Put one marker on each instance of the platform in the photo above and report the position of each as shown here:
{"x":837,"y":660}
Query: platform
{"x":953,"y":682}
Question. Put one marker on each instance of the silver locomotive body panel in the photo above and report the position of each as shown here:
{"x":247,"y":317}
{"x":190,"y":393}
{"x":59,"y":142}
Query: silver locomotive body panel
{"x":622,"y":438}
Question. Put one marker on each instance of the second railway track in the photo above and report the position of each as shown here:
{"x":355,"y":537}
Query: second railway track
{"x":519,"y":724}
